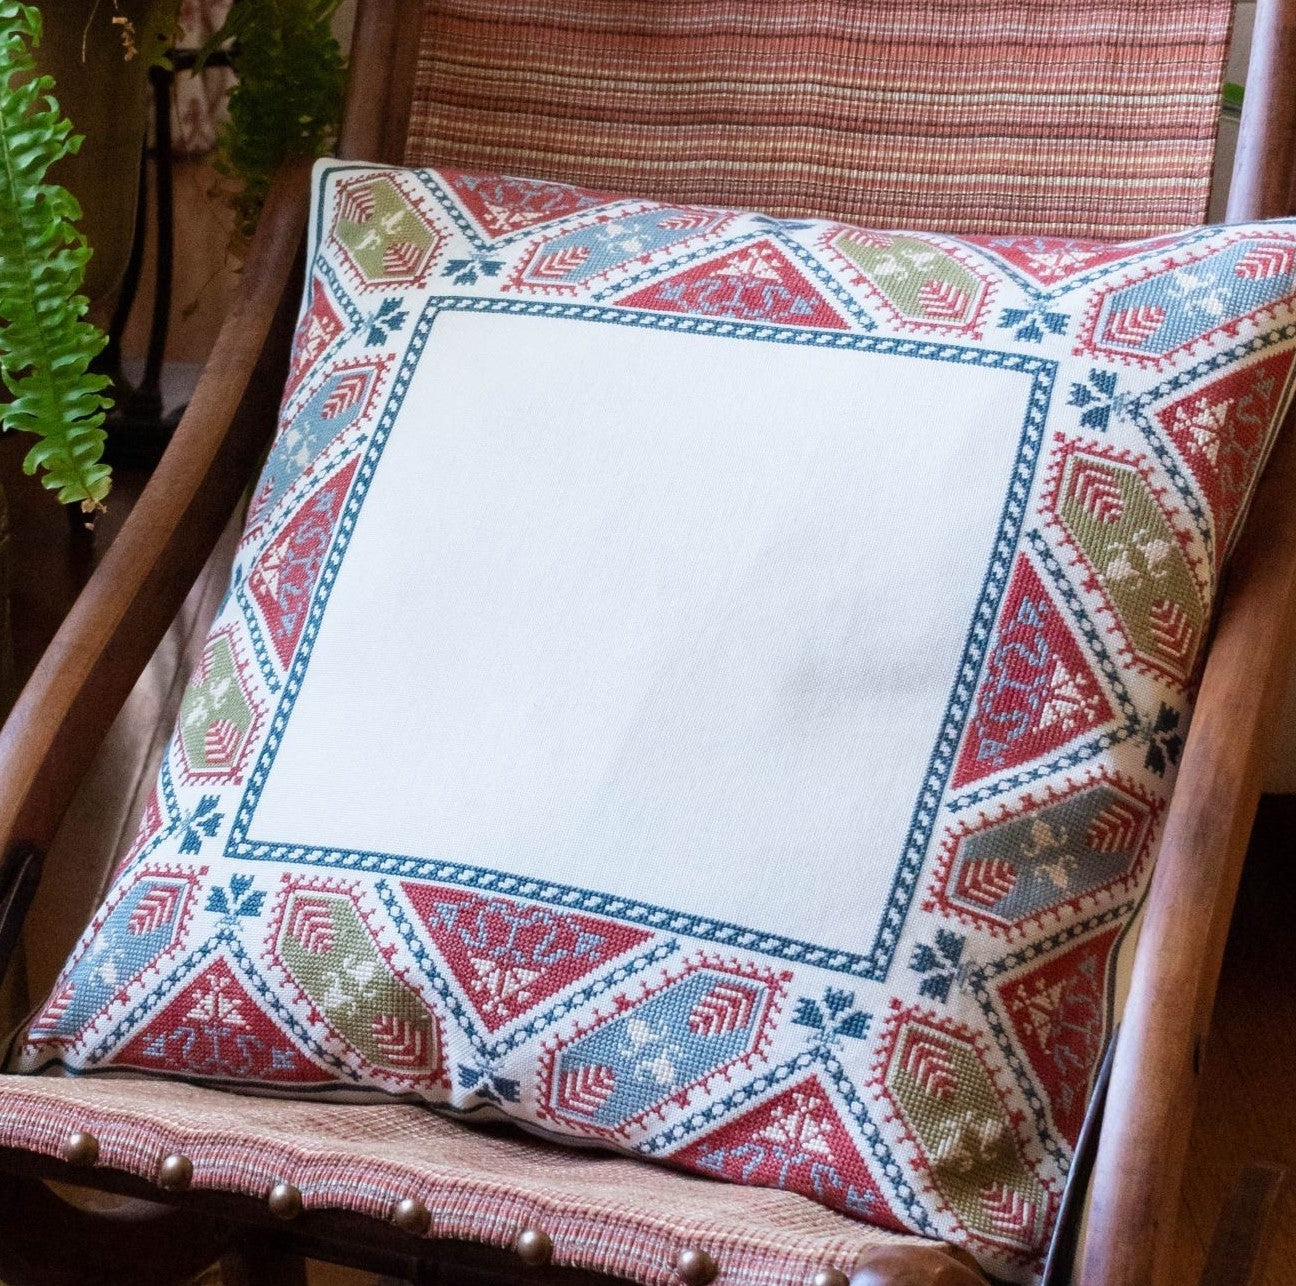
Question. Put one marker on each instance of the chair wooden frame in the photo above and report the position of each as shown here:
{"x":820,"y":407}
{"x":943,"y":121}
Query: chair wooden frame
{"x":65,"y":710}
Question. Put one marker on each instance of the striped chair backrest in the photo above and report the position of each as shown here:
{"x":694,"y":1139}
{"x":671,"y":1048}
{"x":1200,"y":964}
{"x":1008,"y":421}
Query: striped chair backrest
{"x":1095,"y":118}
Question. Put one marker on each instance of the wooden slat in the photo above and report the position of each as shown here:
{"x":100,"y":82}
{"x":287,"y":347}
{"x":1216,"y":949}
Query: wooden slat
{"x":1246,"y":1113}
{"x":114,"y":627}
{"x":380,"y":87}
{"x":1262,"y":165}
{"x":1241,"y":1241}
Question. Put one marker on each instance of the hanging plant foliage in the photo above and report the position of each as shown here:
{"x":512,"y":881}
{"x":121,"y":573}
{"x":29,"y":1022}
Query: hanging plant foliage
{"x":287,"y":101}
{"x":46,"y":345}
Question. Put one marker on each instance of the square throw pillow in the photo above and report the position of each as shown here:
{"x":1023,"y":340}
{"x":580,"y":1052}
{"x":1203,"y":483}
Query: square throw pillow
{"x":700,"y":684}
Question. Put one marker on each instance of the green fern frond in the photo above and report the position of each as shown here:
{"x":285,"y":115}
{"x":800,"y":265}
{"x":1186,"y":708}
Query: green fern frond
{"x":46,"y":345}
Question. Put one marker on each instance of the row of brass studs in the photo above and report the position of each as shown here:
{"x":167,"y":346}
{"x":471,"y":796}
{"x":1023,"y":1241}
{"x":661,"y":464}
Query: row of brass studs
{"x":533,"y":1246}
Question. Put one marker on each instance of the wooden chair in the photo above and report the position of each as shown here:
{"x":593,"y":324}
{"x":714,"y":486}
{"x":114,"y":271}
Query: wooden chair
{"x":455,"y":81}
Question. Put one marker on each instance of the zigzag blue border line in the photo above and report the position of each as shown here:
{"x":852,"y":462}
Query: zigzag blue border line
{"x":874,"y":963}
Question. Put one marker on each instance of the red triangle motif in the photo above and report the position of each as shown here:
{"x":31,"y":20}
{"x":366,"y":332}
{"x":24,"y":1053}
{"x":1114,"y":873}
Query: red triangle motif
{"x":1052,"y":260}
{"x":500,"y":204}
{"x":1221,"y":431}
{"x":214,"y":1028}
{"x":756,"y":282}
{"x":1058,"y":1013}
{"x":1037,"y":693}
{"x":795,"y":1141}
{"x":320,"y":325}
{"x":283,"y":578}
{"x":509,"y":957}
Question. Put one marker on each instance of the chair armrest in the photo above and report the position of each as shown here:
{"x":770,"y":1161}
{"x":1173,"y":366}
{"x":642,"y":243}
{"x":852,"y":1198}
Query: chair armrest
{"x":93,"y":661}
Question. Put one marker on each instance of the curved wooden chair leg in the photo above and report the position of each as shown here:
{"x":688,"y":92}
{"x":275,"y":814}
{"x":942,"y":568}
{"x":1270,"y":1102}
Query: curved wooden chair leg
{"x":47,"y":1241}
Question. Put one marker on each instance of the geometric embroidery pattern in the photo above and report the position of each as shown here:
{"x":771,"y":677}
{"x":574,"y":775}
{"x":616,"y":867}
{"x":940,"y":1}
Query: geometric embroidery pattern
{"x":1221,"y":430}
{"x":1169,"y":309}
{"x":609,"y":1078}
{"x":509,"y":957}
{"x":214,"y":1028}
{"x":1038,"y":856}
{"x":320,"y":326}
{"x":500,"y":205}
{"x":1038,"y":693}
{"x":1051,"y":261}
{"x":219,"y":714}
{"x":1057,"y":1011}
{"x":382,"y":234}
{"x":756,"y":283}
{"x":342,"y":402}
{"x":796,"y":1141}
{"x":1114,"y":521}
{"x":933,"y":1078}
{"x":325,"y":947}
{"x":565,"y":262}
{"x":937,"y":1080}
{"x":141,"y":924}
{"x":283,"y":577}
{"x":916,"y":280}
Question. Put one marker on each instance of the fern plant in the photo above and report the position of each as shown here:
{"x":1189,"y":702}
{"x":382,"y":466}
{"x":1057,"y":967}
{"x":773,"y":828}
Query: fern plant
{"x":287,"y":102}
{"x":46,"y":345}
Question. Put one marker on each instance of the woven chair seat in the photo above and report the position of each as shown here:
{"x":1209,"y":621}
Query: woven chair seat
{"x":607,"y":1214}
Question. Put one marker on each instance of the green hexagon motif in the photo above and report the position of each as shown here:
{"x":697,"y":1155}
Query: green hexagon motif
{"x":330,"y":955}
{"x":217,"y":716}
{"x":918,"y":280}
{"x":383,"y":235}
{"x":971,"y":1153}
{"x":1114,"y":518}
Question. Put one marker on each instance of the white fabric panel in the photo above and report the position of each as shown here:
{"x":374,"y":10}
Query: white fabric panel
{"x":627,"y":585}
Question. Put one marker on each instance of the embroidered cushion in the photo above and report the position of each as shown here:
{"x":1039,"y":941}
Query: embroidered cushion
{"x":700,"y":684}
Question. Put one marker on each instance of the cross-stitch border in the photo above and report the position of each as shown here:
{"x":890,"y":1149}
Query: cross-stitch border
{"x":875,"y":962}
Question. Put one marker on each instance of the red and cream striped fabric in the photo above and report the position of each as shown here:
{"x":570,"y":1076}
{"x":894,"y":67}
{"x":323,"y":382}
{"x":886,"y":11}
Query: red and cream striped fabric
{"x":606,"y":1214}
{"x":973,"y":116}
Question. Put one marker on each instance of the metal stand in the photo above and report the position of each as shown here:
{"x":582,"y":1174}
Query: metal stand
{"x":138,"y":429}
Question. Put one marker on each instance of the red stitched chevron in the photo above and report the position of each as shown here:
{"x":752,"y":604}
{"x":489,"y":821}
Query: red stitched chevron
{"x":57,"y":1007}
{"x":1133,"y":326}
{"x":585,"y":1089}
{"x":1171,"y":631}
{"x":1094,"y":488}
{"x":943,"y":299}
{"x":932,"y":1067}
{"x":1264,"y":261}
{"x":402,"y":1042}
{"x":866,"y":237}
{"x":1008,"y":1211}
{"x":1115,"y":829}
{"x":725,"y":1008}
{"x":558,"y":264}
{"x":310,"y":922}
{"x":685,"y":220}
{"x":402,"y":258}
{"x":153,"y":910}
{"x":345,"y":393}
{"x":986,"y":882}
{"x":356,"y":204}
{"x":221,"y":742}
